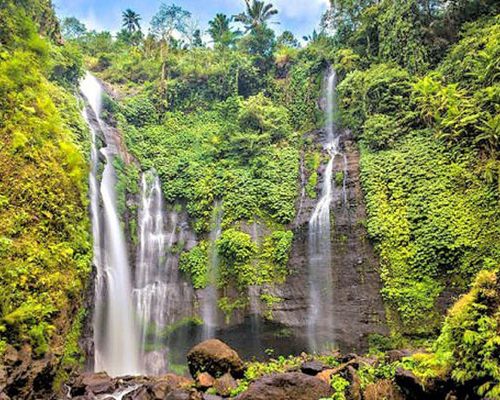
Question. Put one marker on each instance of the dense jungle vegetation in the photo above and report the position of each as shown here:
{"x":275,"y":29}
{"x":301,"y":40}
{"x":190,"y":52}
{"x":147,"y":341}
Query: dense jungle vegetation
{"x":224,"y":126}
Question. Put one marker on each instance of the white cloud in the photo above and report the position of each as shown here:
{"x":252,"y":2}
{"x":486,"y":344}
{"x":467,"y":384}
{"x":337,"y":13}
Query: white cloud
{"x":303,"y":9}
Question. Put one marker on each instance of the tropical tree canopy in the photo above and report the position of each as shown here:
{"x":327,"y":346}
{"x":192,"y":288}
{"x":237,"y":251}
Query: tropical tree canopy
{"x":256,"y":14}
{"x":131,"y":20}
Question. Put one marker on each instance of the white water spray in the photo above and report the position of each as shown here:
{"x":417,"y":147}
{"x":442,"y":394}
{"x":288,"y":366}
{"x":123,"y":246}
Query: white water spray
{"x":115,"y":331}
{"x":320,"y":322}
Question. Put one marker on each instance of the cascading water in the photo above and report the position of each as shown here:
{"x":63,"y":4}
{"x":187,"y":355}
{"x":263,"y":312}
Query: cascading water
{"x":320,"y":322}
{"x":209,"y":311}
{"x":115,"y":331}
{"x":159,"y":293}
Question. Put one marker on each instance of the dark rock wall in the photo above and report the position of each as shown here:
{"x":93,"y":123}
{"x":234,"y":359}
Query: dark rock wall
{"x":358,"y":306}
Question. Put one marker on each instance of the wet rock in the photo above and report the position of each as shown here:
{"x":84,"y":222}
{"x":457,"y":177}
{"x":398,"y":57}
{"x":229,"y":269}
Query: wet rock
{"x":141,"y":393}
{"x":312,"y":367}
{"x":225,"y":384}
{"x":93,"y":383}
{"x":216,"y":358}
{"x":205,"y":380}
{"x":384,"y":389}
{"x":287,"y":386}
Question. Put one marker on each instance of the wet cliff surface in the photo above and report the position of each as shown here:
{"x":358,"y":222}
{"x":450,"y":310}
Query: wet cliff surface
{"x":358,"y":310}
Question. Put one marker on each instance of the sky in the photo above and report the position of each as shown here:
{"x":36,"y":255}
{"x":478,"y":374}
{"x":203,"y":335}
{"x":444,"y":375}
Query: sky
{"x":298,"y":16}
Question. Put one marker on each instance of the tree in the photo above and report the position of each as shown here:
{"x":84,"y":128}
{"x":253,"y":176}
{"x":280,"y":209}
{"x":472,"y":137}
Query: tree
{"x":131,"y":20}
{"x":168,"y":20}
{"x":314,"y":37}
{"x":197,"y":40}
{"x":256,"y":15}
{"x":287,"y":39}
{"x":221,"y":32}
{"x":72,"y":28}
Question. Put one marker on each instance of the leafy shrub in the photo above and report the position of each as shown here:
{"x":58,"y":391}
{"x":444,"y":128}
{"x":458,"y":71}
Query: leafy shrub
{"x":195,"y":263}
{"x":380,"y":131}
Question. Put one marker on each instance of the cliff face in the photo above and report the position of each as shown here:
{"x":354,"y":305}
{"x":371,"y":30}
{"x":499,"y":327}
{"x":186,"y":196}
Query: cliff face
{"x":358,"y":308}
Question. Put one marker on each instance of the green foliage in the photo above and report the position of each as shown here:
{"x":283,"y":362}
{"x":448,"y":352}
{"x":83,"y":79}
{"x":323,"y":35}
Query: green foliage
{"x":195,"y":263}
{"x":45,"y":249}
{"x":139,"y":111}
{"x":382,"y":89}
{"x":469,"y":344}
{"x":380,"y":131}
{"x":339,"y":385}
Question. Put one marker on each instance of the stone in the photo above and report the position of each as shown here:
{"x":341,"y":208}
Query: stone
{"x":141,"y":393}
{"x":325,"y":375}
{"x":167,"y":383}
{"x":393,"y":356}
{"x":287,"y":386}
{"x":98,"y":383}
{"x":384,"y":389}
{"x":225,"y":384}
{"x":216,"y":358}
{"x":178,"y":395}
{"x":312,"y":367}
{"x":410,"y":385}
{"x":354,"y":391}
{"x":207,"y":396}
{"x":205,"y":380}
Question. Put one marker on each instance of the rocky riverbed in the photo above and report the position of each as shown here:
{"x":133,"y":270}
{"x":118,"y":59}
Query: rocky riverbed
{"x":217,"y":372}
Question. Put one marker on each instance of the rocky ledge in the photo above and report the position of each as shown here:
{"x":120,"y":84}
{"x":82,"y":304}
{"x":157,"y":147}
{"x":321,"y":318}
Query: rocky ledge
{"x":219,"y":373}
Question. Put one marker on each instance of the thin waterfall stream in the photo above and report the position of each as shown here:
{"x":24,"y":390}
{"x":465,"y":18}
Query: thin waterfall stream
{"x":320,"y":323}
{"x":210,"y":296}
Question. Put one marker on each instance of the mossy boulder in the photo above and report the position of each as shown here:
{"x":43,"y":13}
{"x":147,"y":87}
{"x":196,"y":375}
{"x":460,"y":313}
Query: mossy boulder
{"x":216,"y":358}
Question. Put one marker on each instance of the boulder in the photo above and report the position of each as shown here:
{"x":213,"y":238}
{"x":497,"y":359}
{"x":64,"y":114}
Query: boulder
{"x":225,"y":384}
{"x":207,"y":396}
{"x":397,"y":355}
{"x":140,"y":393}
{"x":312,"y":367}
{"x":384,"y":389}
{"x":184,"y":395}
{"x":287,"y":386}
{"x":167,"y":383}
{"x":216,"y":358}
{"x":205,"y":380}
{"x":326,"y":375}
{"x":414,"y":389}
{"x":93,"y":383}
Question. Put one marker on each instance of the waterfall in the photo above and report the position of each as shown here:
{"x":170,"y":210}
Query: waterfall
{"x":209,"y":311}
{"x":159,"y":292}
{"x":320,"y":322}
{"x":115,"y":331}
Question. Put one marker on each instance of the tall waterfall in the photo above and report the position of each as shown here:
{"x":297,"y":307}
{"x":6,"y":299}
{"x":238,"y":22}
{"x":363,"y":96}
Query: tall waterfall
{"x":115,"y":331}
{"x":320,"y":322}
{"x":159,"y":293}
{"x":209,"y":311}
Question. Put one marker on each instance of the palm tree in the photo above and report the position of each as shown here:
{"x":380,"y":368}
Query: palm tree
{"x":314,"y":37}
{"x":131,"y":20}
{"x":221,"y":32}
{"x":257,"y":14}
{"x":219,"y":26}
